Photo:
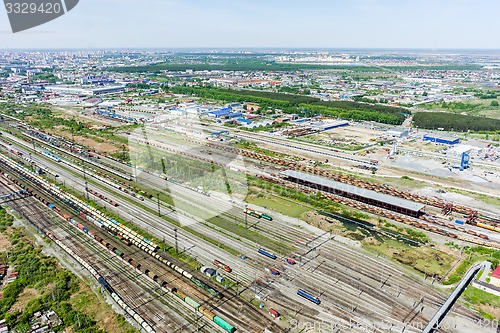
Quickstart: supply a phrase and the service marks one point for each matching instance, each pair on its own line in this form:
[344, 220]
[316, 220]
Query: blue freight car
[52, 156]
[105, 285]
[267, 254]
[306, 295]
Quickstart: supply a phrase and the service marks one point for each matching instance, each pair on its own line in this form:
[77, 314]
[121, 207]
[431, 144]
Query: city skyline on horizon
[320, 24]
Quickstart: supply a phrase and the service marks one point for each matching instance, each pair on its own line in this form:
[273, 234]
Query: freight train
[91, 214]
[164, 285]
[343, 178]
[206, 312]
[143, 323]
[58, 143]
[257, 214]
[100, 196]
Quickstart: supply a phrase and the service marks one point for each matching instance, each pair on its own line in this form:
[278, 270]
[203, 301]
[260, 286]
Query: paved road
[486, 271]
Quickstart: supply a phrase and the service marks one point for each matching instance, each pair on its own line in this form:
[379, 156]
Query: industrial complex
[264, 191]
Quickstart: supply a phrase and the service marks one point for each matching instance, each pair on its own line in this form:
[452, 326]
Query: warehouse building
[447, 140]
[458, 150]
[325, 126]
[495, 277]
[220, 113]
[396, 133]
[84, 90]
[357, 193]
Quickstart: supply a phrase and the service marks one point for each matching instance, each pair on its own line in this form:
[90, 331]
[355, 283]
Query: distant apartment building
[423, 80]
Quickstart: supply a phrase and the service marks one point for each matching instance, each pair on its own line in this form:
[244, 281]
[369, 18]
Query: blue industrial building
[441, 139]
[220, 113]
[243, 120]
[235, 114]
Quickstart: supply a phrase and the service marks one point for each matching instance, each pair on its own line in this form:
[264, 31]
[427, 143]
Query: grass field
[475, 107]
[249, 234]
[424, 259]
[484, 301]
[279, 205]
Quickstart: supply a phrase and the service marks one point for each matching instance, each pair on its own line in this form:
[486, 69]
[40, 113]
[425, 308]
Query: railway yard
[143, 229]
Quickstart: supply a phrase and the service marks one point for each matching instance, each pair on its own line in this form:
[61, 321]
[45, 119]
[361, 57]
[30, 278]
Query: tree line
[455, 122]
[233, 64]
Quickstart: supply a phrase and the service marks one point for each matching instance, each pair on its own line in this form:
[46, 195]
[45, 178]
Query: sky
[428, 24]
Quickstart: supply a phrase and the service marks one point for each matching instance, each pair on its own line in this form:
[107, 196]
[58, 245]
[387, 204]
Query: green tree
[494, 103]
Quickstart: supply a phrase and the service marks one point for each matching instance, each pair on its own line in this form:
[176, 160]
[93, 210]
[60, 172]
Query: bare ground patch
[96, 308]
[27, 295]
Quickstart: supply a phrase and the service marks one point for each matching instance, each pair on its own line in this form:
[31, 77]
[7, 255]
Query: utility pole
[176, 247]
[87, 190]
[246, 217]
[237, 284]
[158, 199]
[255, 282]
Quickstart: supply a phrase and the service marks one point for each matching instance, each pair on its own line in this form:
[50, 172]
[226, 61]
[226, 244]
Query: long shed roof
[403, 203]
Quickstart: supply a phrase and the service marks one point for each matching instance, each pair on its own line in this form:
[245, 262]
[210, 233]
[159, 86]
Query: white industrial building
[458, 150]
[397, 133]
[84, 90]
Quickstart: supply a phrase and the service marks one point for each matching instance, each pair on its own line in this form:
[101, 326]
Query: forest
[227, 62]
[455, 122]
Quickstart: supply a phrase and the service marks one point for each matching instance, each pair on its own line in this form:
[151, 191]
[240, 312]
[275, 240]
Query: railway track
[301, 167]
[250, 317]
[333, 306]
[128, 283]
